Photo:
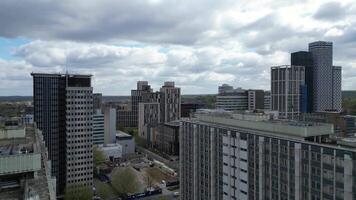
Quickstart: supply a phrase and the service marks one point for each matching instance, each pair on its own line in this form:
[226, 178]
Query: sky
[198, 44]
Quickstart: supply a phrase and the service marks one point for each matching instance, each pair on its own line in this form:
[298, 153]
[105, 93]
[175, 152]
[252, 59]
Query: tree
[120, 127]
[125, 182]
[98, 156]
[104, 190]
[78, 192]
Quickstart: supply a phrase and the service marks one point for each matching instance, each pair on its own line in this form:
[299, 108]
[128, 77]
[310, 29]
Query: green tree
[120, 127]
[125, 182]
[98, 156]
[104, 190]
[78, 192]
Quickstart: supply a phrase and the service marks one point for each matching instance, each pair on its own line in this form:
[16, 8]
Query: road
[157, 197]
[172, 164]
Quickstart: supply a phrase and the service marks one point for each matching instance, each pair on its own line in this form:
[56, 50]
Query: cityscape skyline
[230, 42]
[189, 100]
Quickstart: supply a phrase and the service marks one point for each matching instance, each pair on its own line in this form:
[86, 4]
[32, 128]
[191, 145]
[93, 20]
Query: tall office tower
[109, 125]
[225, 88]
[170, 101]
[255, 99]
[63, 109]
[222, 157]
[304, 58]
[267, 100]
[233, 100]
[327, 85]
[287, 90]
[97, 101]
[98, 127]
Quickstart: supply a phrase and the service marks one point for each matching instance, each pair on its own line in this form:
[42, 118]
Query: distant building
[255, 99]
[327, 78]
[111, 151]
[225, 88]
[267, 101]
[149, 117]
[233, 100]
[170, 102]
[109, 125]
[63, 110]
[305, 58]
[322, 79]
[25, 171]
[238, 99]
[98, 127]
[97, 101]
[190, 107]
[27, 119]
[167, 138]
[126, 141]
[128, 117]
[287, 90]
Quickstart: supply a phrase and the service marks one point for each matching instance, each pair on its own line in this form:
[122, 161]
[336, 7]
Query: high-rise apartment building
[327, 78]
[98, 127]
[143, 93]
[149, 118]
[170, 101]
[63, 109]
[222, 157]
[287, 90]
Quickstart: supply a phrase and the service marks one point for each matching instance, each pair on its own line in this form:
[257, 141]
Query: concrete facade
[226, 158]
[63, 110]
[327, 78]
[109, 125]
[286, 90]
[98, 128]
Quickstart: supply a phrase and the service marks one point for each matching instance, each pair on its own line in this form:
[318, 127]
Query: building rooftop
[60, 75]
[122, 135]
[24, 167]
[274, 127]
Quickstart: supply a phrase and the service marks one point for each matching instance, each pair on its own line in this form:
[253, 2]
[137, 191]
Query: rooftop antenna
[66, 66]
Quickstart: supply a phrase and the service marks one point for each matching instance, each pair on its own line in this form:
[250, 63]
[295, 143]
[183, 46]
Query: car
[176, 194]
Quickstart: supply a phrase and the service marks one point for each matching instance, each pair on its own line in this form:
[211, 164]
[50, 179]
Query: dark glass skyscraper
[304, 58]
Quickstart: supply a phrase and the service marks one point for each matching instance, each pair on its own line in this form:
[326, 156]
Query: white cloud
[199, 44]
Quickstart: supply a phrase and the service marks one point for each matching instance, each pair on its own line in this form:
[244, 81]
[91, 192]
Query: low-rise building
[126, 141]
[112, 151]
[25, 171]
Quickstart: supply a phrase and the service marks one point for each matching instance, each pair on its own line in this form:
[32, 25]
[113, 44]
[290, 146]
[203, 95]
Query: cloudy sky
[198, 44]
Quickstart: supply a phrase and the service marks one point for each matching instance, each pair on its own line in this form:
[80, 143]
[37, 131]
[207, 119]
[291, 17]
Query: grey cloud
[164, 22]
[331, 11]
